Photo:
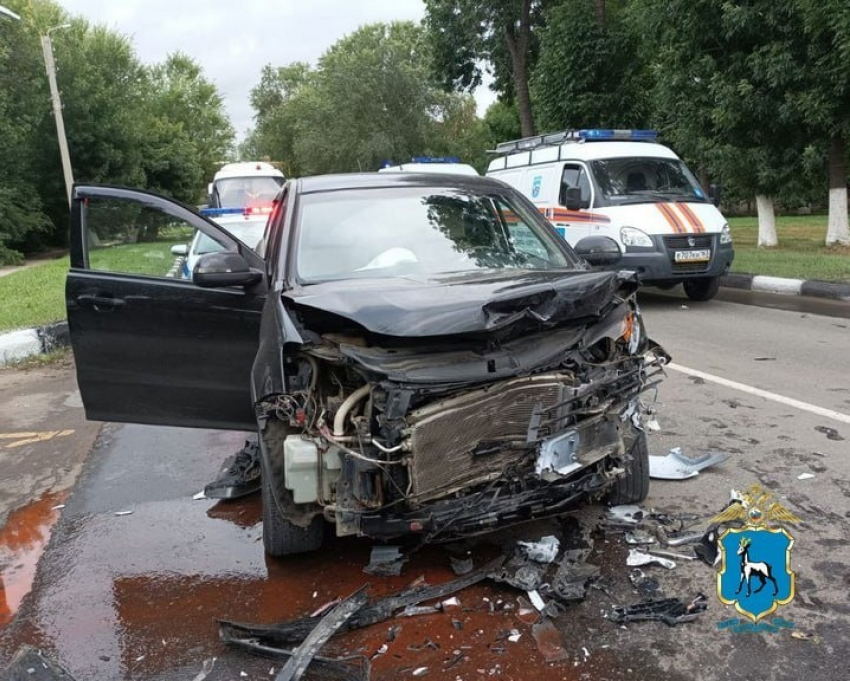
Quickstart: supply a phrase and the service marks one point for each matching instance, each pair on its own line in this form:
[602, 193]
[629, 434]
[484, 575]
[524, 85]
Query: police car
[246, 224]
[624, 185]
[430, 164]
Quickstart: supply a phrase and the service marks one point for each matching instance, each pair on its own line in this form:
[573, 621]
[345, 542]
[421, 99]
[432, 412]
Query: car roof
[328, 183]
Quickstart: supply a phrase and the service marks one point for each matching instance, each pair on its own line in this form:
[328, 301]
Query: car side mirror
[714, 194]
[215, 270]
[180, 249]
[572, 198]
[599, 251]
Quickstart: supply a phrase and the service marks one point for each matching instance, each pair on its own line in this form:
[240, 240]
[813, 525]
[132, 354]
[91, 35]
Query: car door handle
[100, 302]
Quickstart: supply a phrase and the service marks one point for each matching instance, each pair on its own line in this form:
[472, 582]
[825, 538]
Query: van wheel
[280, 536]
[634, 485]
[701, 289]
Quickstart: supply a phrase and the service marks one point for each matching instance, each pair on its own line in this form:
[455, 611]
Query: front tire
[701, 290]
[280, 536]
[633, 487]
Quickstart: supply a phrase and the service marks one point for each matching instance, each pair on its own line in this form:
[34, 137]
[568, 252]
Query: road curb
[812, 288]
[24, 343]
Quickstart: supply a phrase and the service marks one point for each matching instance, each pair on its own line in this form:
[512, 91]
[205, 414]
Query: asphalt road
[136, 596]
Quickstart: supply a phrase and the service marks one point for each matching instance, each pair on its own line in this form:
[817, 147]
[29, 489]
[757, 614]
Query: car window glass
[575, 176]
[240, 192]
[133, 238]
[522, 237]
[419, 233]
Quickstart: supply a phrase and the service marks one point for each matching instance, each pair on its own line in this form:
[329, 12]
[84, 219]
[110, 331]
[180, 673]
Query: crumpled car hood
[482, 302]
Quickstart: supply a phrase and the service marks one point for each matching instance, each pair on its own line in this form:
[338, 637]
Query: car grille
[460, 441]
[680, 243]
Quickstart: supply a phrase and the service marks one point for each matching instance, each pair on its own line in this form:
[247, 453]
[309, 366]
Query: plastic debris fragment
[549, 641]
[637, 557]
[677, 466]
[626, 513]
[537, 600]
[385, 561]
[545, 550]
[671, 611]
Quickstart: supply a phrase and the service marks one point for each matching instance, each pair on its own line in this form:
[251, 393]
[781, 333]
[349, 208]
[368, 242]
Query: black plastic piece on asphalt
[295, 631]
[240, 475]
[297, 664]
[671, 611]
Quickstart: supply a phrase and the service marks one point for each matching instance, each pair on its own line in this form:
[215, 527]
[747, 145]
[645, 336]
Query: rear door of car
[151, 347]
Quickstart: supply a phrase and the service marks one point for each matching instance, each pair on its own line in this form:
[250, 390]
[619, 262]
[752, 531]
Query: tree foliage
[589, 73]
[161, 127]
[502, 33]
[370, 98]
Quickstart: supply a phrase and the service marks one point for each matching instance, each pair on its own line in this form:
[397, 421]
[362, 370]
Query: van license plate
[692, 256]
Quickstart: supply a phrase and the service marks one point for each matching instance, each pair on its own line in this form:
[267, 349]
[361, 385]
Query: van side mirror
[599, 251]
[215, 270]
[714, 194]
[572, 198]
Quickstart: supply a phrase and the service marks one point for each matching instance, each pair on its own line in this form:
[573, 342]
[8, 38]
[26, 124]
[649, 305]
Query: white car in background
[246, 224]
[432, 164]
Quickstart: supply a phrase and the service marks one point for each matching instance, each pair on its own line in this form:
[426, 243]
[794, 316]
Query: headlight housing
[726, 234]
[632, 236]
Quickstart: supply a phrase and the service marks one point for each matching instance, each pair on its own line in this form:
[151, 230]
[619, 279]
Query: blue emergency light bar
[435, 159]
[218, 212]
[598, 134]
[585, 135]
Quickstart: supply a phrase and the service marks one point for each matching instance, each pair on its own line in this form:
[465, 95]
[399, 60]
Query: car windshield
[249, 232]
[240, 192]
[419, 233]
[632, 180]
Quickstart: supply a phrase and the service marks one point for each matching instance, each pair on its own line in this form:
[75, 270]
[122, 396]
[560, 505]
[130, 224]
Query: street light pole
[50, 65]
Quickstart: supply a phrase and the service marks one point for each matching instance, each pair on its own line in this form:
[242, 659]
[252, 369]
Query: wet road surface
[136, 596]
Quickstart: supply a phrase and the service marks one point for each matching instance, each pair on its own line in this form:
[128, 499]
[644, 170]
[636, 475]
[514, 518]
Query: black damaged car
[418, 353]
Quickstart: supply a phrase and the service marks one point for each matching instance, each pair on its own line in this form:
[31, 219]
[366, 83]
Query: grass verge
[801, 253]
[36, 295]
[33, 296]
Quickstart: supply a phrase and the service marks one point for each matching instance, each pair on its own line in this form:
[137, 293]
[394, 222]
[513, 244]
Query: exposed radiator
[455, 442]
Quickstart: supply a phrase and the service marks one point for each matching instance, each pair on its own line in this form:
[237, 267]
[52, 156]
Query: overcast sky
[234, 39]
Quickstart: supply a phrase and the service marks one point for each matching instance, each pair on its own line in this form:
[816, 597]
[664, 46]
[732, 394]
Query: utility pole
[50, 66]
[5, 11]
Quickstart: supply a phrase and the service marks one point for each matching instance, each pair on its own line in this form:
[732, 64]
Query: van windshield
[243, 192]
[638, 180]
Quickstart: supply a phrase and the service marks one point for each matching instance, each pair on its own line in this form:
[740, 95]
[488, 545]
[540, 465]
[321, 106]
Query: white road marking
[781, 399]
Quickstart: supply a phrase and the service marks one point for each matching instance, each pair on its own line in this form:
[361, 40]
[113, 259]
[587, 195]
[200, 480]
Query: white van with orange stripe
[624, 185]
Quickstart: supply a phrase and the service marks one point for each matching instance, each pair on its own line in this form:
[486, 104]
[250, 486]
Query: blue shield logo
[755, 574]
[536, 183]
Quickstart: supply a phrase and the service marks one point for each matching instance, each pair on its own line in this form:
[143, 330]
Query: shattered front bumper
[521, 493]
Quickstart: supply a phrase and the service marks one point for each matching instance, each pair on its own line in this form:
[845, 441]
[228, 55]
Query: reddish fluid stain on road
[22, 541]
[139, 596]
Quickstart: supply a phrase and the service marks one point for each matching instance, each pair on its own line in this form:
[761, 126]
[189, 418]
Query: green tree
[824, 100]
[369, 99]
[503, 33]
[276, 126]
[23, 92]
[191, 105]
[589, 73]
[723, 96]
